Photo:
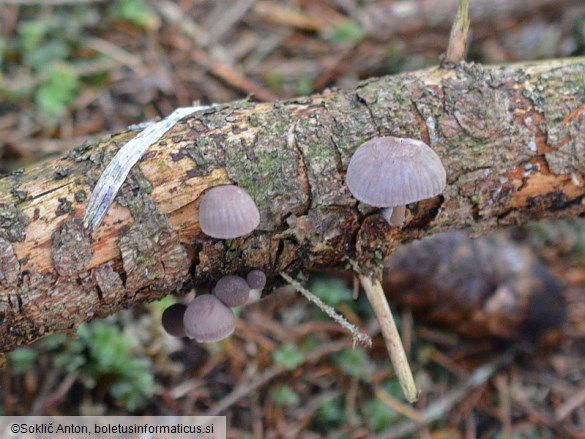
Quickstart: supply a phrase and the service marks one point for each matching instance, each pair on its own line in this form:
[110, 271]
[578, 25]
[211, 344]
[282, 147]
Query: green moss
[330, 415]
[288, 357]
[265, 166]
[58, 92]
[284, 396]
[347, 31]
[21, 360]
[138, 12]
[354, 362]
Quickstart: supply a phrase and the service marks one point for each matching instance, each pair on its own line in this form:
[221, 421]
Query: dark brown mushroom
[172, 320]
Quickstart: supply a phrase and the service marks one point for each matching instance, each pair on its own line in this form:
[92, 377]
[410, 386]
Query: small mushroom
[228, 212]
[390, 172]
[207, 319]
[257, 281]
[232, 290]
[172, 320]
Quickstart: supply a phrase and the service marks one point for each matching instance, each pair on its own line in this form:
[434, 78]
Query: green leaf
[275, 81]
[393, 388]
[32, 34]
[134, 11]
[284, 396]
[288, 357]
[159, 306]
[330, 289]
[45, 55]
[58, 92]
[354, 362]
[329, 415]
[109, 348]
[304, 84]
[21, 359]
[110, 353]
[54, 341]
[135, 385]
[347, 32]
[379, 416]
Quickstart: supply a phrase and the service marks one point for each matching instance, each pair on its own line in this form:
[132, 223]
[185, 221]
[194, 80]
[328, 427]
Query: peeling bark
[512, 139]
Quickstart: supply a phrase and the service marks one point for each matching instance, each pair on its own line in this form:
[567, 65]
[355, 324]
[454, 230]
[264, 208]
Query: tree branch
[511, 138]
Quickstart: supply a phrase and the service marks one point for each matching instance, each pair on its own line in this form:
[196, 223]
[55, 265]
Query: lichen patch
[12, 223]
[109, 283]
[9, 266]
[152, 255]
[71, 248]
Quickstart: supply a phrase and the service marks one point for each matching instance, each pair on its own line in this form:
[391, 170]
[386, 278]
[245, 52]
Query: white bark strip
[117, 170]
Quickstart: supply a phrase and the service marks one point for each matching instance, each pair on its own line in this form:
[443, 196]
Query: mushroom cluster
[391, 172]
[208, 318]
[225, 212]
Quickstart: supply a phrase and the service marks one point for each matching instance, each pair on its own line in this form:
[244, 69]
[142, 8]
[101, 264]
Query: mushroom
[172, 320]
[232, 290]
[390, 172]
[208, 319]
[257, 281]
[228, 212]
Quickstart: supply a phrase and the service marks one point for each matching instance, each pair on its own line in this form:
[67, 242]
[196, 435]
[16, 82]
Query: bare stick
[382, 311]
[458, 37]
[358, 337]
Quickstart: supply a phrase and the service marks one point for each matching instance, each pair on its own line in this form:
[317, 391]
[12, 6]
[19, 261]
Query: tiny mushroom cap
[232, 290]
[256, 279]
[228, 212]
[207, 319]
[172, 320]
[391, 172]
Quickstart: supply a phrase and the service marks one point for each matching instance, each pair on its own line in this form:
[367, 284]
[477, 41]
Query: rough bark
[511, 138]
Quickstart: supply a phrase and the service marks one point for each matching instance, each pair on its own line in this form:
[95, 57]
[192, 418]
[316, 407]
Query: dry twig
[458, 38]
[375, 293]
[358, 336]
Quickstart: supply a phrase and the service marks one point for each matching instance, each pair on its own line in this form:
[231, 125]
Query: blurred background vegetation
[75, 71]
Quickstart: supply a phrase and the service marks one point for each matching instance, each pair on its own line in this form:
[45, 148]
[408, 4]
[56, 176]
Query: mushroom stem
[377, 299]
[387, 214]
[255, 296]
[395, 216]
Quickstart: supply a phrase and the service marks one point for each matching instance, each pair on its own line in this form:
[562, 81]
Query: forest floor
[70, 73]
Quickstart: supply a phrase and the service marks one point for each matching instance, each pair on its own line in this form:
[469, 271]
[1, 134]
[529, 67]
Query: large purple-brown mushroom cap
[232, 290]
[207, 319]
[391, 171]
[228, 212]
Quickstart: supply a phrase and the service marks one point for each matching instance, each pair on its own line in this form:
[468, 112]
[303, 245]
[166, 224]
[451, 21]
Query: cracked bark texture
[512, 139]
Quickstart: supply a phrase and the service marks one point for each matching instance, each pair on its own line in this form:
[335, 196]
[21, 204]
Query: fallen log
[512, 139]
